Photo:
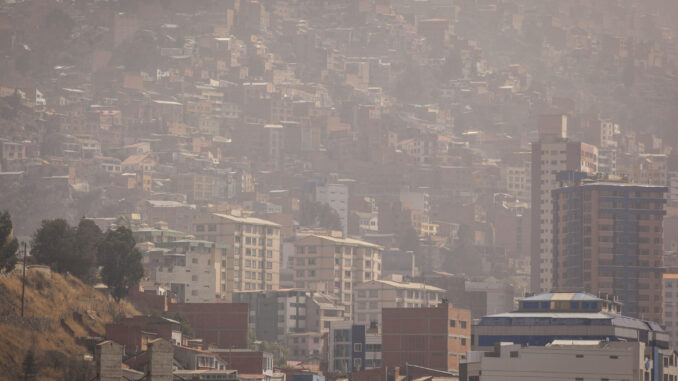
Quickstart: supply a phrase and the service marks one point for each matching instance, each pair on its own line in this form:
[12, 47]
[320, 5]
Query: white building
[564, 360]
[336, 196]
[195, 271]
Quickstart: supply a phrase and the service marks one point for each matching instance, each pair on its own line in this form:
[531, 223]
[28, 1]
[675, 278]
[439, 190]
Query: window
[453, 323]
[579, 356]
[269, 253]
[514, 354]
[357, 347]
[194, 260]
[211, 227]
[462, 323]
[269, 265]
[194, 278]
[200, 228]
[311, 250]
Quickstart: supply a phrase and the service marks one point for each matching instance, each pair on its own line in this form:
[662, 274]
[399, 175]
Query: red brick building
[221, 324]
[136, 332]
[434, 337]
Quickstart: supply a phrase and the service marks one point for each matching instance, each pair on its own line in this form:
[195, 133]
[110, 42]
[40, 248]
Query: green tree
[87, 238]
[53, 244]
[279, 351]
[121, 261]
[29, 366]
[186, 327]
[319, 215]
[67, 249]
[8, 244]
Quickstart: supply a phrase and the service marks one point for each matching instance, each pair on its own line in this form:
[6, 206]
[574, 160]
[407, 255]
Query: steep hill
[61, 313]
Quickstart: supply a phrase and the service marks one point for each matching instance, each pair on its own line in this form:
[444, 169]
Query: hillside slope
[60, 313]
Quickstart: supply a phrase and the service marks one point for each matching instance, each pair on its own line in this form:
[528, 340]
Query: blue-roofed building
[543, 318]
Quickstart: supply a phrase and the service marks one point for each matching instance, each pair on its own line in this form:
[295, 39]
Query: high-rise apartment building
[551, 154]
[334, 265]
[255, 257]
[608, 240]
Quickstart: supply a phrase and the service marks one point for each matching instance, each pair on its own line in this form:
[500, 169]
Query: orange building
[433, 337]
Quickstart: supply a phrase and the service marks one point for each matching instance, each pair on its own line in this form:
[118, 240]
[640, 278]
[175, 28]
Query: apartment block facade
[609, 240]
[255, 257]
[352, 347]
[195, 271]
[551, 154]
[335, 265]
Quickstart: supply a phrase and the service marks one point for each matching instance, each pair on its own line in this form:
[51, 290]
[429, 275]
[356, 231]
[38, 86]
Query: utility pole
[23, 281]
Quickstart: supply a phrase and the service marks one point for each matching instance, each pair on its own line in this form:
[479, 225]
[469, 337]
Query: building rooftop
[562, 296]
[168, 204]
[403, 285]
[346, 241]
[247, 220]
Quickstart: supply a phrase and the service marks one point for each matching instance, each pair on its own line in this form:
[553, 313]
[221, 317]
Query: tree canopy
[320, 215]
[65, 248]
[120, 261]
[8, 244]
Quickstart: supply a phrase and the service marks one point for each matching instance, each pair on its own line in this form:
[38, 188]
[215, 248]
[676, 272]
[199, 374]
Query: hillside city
[293, 190]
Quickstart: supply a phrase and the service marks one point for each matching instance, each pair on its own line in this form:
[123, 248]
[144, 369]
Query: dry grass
[54, 297]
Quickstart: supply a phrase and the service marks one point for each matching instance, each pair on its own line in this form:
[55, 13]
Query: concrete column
[108, 357]
[160, 360]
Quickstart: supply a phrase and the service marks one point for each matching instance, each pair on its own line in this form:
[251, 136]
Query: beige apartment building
[371, 296]
[335, 265]
[255, 258]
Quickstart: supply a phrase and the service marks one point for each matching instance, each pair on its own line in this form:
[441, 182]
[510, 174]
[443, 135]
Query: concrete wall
[108, 357]
[615, 361]
[160, 360]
